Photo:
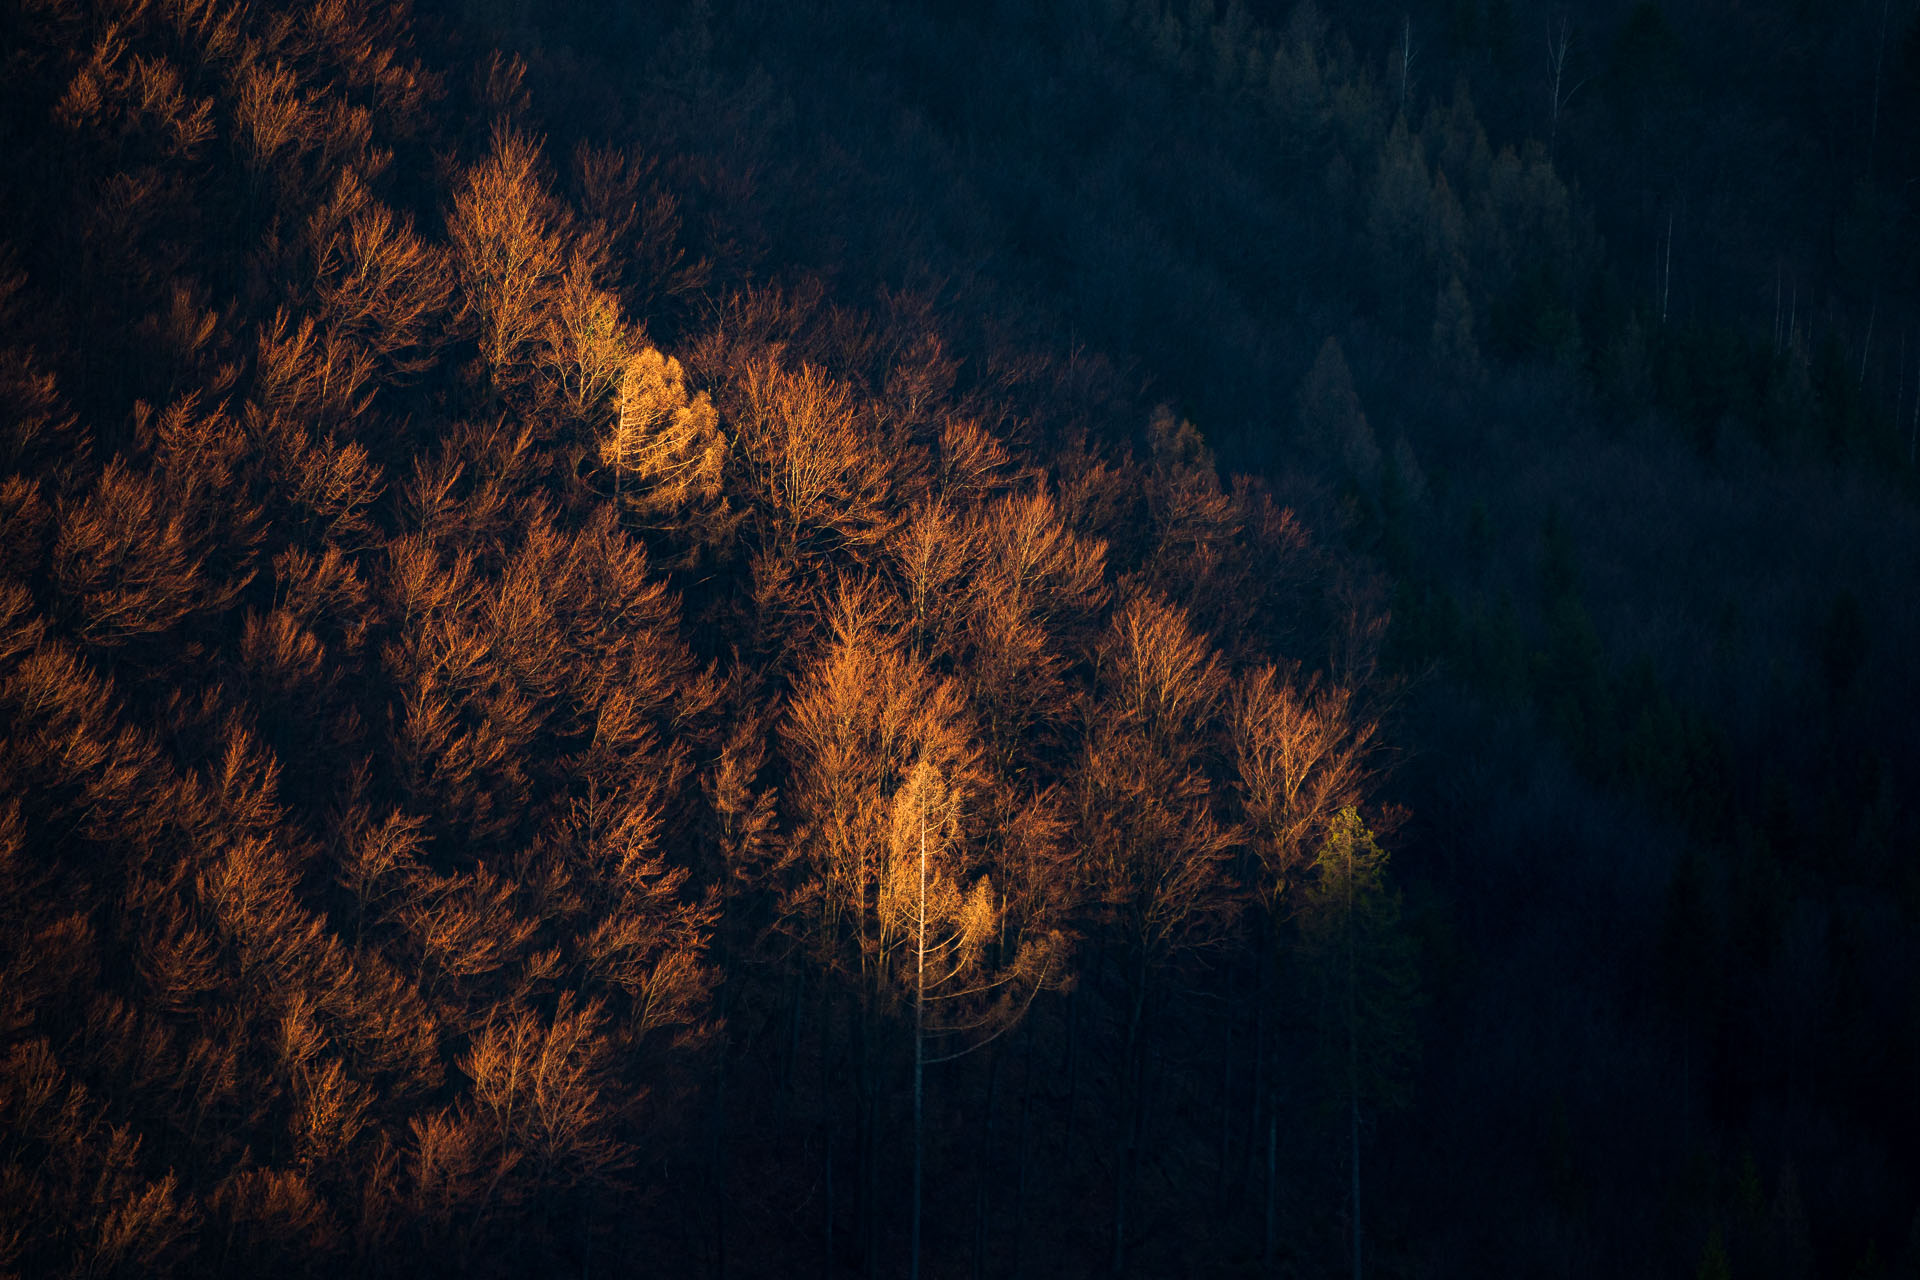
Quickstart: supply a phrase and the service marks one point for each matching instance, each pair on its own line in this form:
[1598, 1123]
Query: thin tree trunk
[1776, 309]
[1686, 1091]
[717, 1163]
[1132, 1101]
[1354, 1116]
[869, 1135]
[1879, 60]
[1073, 1065]
[1913, 427]
[826, 1113]
[919, 1047]
[1226, 1093]
[1267, 1098]
[717, 1126]
[1354, 1135]
[1020, 1155]
[1666, 272]
[1900, 389]
[1257, 1100]
[1269, 1238]
[1866, 345]
[793, 1035]
[982, 1202]
[1558, 47]
[1353, 1050]
[1406, 59]
[1123, 1179]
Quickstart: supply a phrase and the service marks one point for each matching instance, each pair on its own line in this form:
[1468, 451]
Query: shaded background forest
[551, 555]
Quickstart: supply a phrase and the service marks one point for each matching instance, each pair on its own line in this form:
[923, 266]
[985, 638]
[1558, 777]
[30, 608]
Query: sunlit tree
[1361, 964]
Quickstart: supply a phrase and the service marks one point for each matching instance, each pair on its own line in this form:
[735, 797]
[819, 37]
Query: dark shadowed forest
[960, 638]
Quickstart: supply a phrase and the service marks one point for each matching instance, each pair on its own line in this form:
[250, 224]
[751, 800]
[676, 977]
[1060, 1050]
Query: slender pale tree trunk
[619, 452]
[717, 1159]
[1406, 59]
[1776, 309]
[1073, 1067]
[1021, 1156]
[1866, 345]
[1353, 1113]
[919, 1045]
[983, 1200]
[1133, 1104]
[1913, 421]
[1264, 1103]
[1879, 60]
[1666, 272]
[1257, 1098]
[1226, 1093]
[717, 1188]
[826, 1118]
[1559, 44]
[870, 1150]
[793, 1035]
[1353, 1065]
[1900, 390]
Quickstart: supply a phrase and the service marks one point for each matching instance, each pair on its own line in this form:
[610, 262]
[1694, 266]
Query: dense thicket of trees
[621, 651]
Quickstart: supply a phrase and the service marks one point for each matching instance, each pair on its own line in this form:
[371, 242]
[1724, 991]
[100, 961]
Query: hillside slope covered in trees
[621, 651]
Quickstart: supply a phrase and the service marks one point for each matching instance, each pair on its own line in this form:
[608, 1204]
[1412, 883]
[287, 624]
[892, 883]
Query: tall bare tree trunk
[1666, 272]
[919, 1047]
[1559, 44]
[1226, 1092]
[1021, 1156]
[826, 1117]
[869, 1131]
[1270, 1239]
[1266, 1098]
[1406, 59]
[793, 1036]
[717, 1169]
[983, 1201]
[1913, 422]
[1866, 344]
[1353, 1062]
[1133, 1104]
[1879, 61]
[1073, 1067]
[1900, 390]
[1776, 309]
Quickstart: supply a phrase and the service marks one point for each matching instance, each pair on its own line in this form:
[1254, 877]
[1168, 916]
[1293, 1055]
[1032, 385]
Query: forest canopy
[1112, 638]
